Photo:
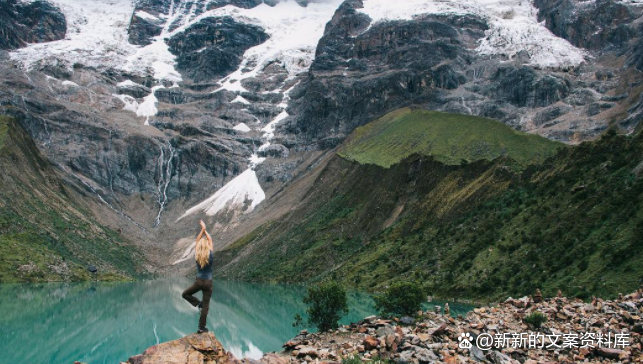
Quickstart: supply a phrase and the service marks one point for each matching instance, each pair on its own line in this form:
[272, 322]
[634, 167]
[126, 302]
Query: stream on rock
[98, 322]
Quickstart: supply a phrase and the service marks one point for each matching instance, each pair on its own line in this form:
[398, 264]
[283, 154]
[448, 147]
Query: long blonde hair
[202, 254]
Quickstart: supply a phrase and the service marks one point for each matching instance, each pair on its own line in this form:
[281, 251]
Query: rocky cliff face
[29, 22]
[213, 47]
[48, 230]
[365, 67]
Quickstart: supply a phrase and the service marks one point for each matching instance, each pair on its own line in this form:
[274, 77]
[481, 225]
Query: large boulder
[193, 349]
[197, 349]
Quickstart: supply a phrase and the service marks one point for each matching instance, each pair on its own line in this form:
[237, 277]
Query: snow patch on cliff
[294, 32]
[242, 127]
[513, 24]
[96, 36]
[243, 191]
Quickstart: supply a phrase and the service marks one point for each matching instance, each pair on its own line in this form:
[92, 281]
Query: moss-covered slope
[449, 138]
[476, 230]
[45, 234]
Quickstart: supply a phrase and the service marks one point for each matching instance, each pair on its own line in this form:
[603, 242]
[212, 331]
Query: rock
[425, 356]
[611, 353]
[638, 328]
[384, 331]
[476, 354]
[407, 320]
[370, 319]
[500, 358]
[370, 343]
[390, 341]
[538, 297]
[291, 344]
[440, 330]
[272, 358]
[308, 351]
[195, 348]
[406, 356]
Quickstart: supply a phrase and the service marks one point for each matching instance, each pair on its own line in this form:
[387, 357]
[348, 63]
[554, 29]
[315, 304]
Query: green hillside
[449, 138]
[477, 230]
[45, 233]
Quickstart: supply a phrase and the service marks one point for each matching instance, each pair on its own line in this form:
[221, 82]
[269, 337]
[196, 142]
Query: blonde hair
[202, 252]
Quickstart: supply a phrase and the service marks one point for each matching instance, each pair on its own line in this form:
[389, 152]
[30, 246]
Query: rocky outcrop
[594, 25]
[213, 47]
[358, 76]
[151, 16]
[196, 349]
[146, 22]
[524, 87]
[437, 337]
[29, 22]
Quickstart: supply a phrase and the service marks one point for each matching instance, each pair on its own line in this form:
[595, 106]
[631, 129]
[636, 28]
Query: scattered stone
[433, 338]
[407, 320]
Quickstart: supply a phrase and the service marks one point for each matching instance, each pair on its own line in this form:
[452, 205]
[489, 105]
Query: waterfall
[165, 177]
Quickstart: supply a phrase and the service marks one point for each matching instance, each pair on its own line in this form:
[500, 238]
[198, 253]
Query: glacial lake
[95, 322]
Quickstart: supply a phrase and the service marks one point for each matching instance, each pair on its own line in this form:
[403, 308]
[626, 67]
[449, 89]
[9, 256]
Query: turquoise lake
[98, 322]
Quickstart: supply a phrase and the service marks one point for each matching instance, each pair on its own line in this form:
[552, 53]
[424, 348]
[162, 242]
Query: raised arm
[203, 232]
[209, 239]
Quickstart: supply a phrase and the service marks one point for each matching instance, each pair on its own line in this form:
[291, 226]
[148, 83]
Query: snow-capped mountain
[173, 110]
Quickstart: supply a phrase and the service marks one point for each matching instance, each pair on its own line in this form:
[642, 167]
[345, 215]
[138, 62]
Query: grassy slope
[479, 230]
[450, 138]
[42, 229]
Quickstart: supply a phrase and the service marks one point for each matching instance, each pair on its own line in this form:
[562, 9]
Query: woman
[204, 262]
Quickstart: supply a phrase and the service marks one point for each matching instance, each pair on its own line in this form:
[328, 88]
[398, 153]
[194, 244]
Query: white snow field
[513, 24]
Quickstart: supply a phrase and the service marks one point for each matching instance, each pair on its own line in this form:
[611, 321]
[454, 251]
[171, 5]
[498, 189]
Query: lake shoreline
[435, 337]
